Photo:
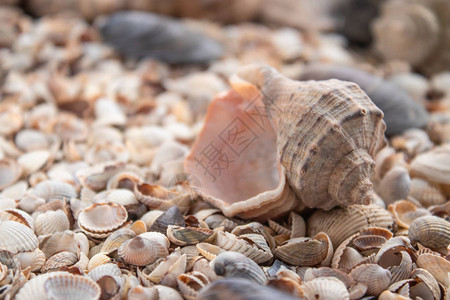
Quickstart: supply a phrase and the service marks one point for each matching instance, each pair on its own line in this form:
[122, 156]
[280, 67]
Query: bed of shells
[100, 197]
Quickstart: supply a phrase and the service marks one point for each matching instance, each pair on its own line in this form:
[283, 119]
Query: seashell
[33, 259]
[29, 140]
[209, 251]
[279, 229]
[183, 236]
[157, 197]
[68, 286]
[298, 225]
[156, 237]
[191, 283]
[122, 197]
[123, 180]
[58, 260]
[234, 288]
[432, 232]
[108, 269]
[412, 142]
[108, 113]
[313, 273]
[51, 222]
[149, 217]
[33, 161]
[341, 223]
[405, 212]
[401, 112]
[98, 260]
[438, 127]
[419, 24]
[373, 276]
[305, 252]
[243, 245]
[175, 37]
[167, 270]
[172, 216]
[102, 218]
[271, 197]
[340, 188]
[324, 288]
[29, 203]
[237, 265]
[426, 193]
[109, 287]
[54, 190]
[432, 165]
[97, 176]
[140, 251]
[255, 228]
[16, 237]
[439, 267]
[394, 185]
[34, 289]
[400, 270]
[10, 172]
[17, 215]
[68, 127]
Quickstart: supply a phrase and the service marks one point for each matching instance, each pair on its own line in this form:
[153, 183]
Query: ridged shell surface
[16, 237]
[71, 287]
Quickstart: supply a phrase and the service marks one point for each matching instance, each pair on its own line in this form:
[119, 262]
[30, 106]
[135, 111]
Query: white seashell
[98, 260]
[58, 242]
[157, 237]
[34, 289]
[51, 222]
[324, 288]
[122, 197]
[83, 242]
[16, 237]
[108, 269]
[33, 259]
[29, 140]
[33, 161]
[375, 277]
[17, 215]
[54, 190]
[108, 112]
[10, 172]
[68, 286]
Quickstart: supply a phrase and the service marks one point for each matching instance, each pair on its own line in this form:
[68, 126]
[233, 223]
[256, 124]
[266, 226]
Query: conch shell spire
[327, 133]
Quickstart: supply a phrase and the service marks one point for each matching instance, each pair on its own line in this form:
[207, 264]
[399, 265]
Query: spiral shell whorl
[328, 132]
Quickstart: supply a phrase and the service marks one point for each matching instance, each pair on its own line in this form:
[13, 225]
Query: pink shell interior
[235, 155]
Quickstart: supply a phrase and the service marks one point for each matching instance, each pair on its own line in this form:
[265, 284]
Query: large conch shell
[326, 135]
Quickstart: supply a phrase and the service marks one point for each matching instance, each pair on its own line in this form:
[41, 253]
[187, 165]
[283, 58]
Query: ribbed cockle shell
[327, 134]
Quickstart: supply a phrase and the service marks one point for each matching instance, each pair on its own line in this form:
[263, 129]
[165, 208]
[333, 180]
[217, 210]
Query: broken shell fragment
[237, 265]
[375, 277]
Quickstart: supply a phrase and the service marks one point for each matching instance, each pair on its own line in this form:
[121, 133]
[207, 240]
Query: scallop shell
[341, 223]
[98, 260]
[33, 161]
[122, 197]
[432, 165]
[54, 190]
[68, 286]
[305, 252]
[16, 215]
[10, 172]
[237, 265]
[439, 267]
[61, 241]
[430, 231]
[426, 193]
[325, 288]
[303, 103]
[230, 242]
[102, 218]
[117, 238]
[16, 237]
[312, 273]
[34, 289]
[140, 251]
[395, 185]
[183, 236]
[123, 180]
[52, 222]
[191, 283]
[271, 196]
[373, 276]
[34, 259]
[58, 260]
[157, 238]
[209, 251]
[107, 269]
[405, 212]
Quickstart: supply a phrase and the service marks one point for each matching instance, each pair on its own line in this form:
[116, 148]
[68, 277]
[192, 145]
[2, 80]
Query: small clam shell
[324, 288]
[432, 232]
[68, 286]
[438, 266]
[110, 288]
[124, 180]
[97, 176]
[345, 257]
[149, 217]
[432, 165]
[102, 218]
[108, 112]
[140, 251]
[98, 260]
[122, 197]
[58, 260]
[34, 259]
[341, 223]
[54, 190]
[156, 237]
[172, 216]
[33, 161]
[52, 222]
[61, 241]
[426, 193]
[395, 185]
[237, 265]
[304, 252]
[399, 264]
[230, 242]
[10, 172]
[29, 139]
[191, 283]
[312, 273]
[183, 236]
[16, 237]
[209, 251]
[117, 238]
[16, 215]
[375, 277]
[34, 289]
[107, 269]
[405, 212]
[167, 270]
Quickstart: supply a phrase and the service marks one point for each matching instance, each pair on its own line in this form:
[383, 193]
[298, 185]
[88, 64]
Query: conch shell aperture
[325, 132]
